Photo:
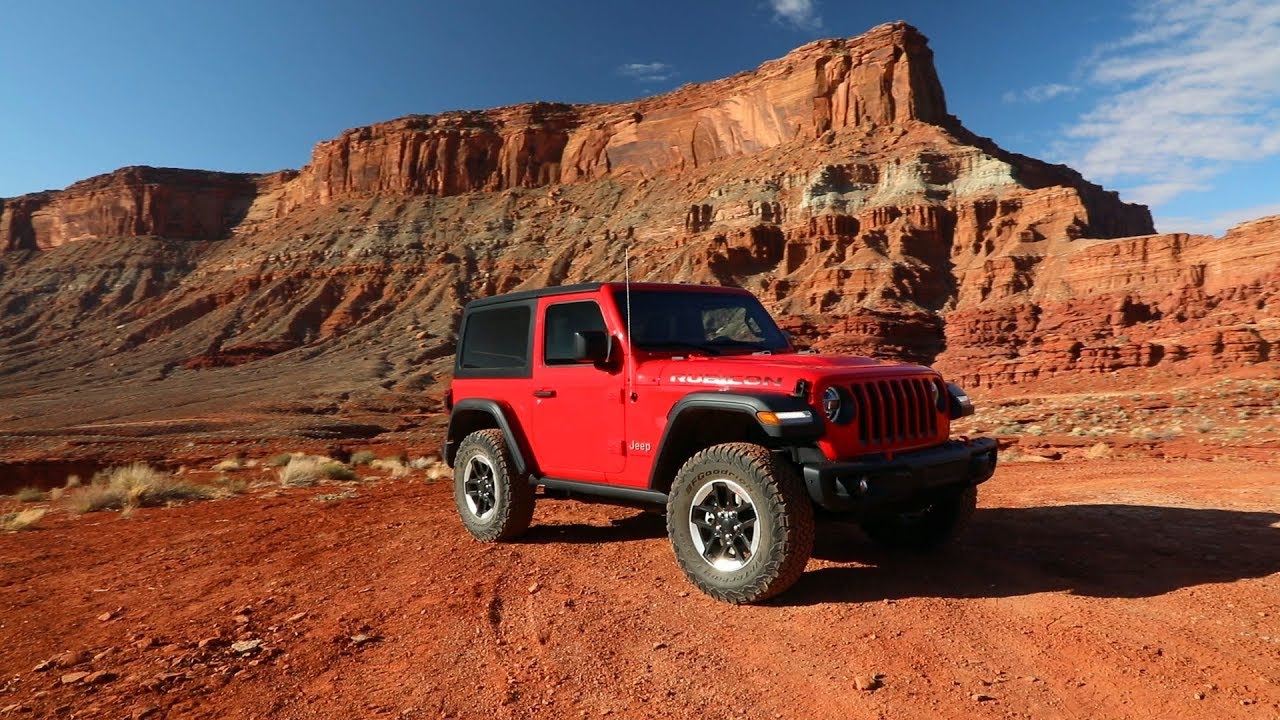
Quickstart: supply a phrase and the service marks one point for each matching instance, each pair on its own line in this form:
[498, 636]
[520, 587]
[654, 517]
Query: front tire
[494, 503]
[740, 523]
[926, 527]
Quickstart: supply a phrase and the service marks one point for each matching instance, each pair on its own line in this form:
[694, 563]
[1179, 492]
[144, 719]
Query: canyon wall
[831, 182]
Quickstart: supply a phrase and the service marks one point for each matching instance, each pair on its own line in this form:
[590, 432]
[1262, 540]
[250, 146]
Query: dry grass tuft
[363, 457]
[300, 471]
[21, 520]
[228, 486]
[1098, 451]
[131, 486]
[306, 471]
[30, 495]
[335, 497]
[280, 460]
[393, 465]
[229, 465]
[73, 481]
[337, 471]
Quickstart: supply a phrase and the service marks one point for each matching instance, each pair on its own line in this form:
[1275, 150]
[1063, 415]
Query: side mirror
[593, 345]
[961, 405]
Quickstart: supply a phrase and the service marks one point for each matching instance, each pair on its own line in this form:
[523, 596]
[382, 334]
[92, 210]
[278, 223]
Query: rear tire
[494, 503]
[740, 523]
[927, 526]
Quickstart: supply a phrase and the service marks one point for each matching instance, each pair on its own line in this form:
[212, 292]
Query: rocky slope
[832, 182]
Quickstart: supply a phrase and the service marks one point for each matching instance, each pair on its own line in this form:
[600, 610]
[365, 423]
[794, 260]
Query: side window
[562, 321]
[497, 339]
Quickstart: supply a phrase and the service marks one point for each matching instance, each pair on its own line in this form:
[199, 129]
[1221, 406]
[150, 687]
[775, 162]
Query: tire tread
[792, 539]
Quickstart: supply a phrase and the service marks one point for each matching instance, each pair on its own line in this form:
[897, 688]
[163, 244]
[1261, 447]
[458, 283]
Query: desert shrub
[30, 494]
[280, 460]
[231, 486]
[73, 481]
[1156, 435]
[229, 465]
[1204, 426]
[1098, 451]
[393, 465]
[363, 457]
[301, 472]
[135, 485]
[422, 463]
[93, 498]
[335, 497]
[21, 520]
[337, 471]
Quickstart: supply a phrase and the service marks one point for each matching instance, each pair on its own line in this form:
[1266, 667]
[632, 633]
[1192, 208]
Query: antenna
[626, 283]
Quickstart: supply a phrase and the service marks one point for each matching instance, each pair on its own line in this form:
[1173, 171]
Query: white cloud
[1218, 224]
[803, 14]
[1192, 91]
[650, 72]
[1040, 93]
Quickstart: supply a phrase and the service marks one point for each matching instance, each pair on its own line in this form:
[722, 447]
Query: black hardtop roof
[520, 295]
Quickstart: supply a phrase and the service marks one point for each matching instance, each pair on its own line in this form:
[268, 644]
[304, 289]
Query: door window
[562, 321]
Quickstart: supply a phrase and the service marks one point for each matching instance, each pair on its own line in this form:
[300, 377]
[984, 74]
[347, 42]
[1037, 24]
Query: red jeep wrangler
[691, 397]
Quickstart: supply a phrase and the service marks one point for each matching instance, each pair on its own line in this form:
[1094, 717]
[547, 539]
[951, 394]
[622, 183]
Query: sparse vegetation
[231, 486]
[229, 465]
[337, 471]
[1099, 451]
[393, 465]
[300, 471]
[21, 520]
[30, 495]
[131, 486]
[363, 457]
[304, 471]
[280, 460]
[335, 497]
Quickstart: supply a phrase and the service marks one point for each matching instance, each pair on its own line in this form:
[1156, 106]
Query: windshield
[709, 322]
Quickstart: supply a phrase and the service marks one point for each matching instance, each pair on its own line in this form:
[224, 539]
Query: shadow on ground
[1124, 551]
[644, 525]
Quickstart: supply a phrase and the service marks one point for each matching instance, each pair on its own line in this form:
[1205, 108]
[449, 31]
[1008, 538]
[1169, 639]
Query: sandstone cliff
[832, 182]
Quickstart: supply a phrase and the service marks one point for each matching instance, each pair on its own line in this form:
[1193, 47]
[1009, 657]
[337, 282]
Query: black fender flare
[474, 414]
[689, 407]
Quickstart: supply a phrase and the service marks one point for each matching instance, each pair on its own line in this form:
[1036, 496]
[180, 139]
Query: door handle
[544, 393]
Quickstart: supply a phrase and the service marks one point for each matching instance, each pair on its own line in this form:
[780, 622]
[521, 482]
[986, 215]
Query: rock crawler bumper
[877, 480]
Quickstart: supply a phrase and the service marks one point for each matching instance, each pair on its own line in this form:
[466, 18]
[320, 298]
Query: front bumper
[877, 480]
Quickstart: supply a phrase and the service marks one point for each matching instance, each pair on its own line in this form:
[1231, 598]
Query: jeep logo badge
[752, 380]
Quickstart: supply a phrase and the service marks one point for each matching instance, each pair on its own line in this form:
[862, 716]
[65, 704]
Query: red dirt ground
[1116, 589]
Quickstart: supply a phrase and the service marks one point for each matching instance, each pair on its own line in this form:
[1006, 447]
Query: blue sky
[1176, 103]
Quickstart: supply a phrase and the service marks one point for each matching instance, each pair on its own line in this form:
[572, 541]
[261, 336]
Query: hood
[767, 371]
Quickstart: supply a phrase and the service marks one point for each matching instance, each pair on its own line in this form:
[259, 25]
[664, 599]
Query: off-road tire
[784, 522]
[928, 526]
[512, 508]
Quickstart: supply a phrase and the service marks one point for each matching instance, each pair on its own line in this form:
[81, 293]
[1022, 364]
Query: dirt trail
[1108, 589]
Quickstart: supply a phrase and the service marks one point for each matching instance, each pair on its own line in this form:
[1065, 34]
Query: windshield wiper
[663, 344]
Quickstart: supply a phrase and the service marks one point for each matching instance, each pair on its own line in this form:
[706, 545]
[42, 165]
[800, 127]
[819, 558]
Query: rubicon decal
[750, 380]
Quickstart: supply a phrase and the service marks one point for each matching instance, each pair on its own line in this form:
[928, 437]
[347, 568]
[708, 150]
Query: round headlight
[831, 402]
[936, 393]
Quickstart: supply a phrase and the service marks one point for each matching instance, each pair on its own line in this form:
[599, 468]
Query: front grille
[895, 411]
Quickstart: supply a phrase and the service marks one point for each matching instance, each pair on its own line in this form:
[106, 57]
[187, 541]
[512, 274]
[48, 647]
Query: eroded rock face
[130, 202]
[831, 182]
[1182, 304]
